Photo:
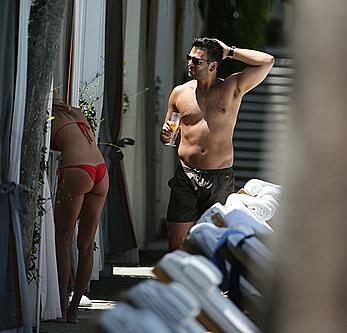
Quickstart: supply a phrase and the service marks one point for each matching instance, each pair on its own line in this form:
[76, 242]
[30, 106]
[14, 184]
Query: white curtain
[45, 292]
[15, 148]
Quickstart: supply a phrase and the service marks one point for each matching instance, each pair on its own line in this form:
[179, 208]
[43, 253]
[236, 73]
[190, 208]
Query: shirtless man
[208, 106]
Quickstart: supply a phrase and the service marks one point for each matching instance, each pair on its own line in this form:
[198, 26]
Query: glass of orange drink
[174, 123]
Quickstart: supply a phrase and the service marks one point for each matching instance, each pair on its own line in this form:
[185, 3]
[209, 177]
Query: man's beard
[192, 74]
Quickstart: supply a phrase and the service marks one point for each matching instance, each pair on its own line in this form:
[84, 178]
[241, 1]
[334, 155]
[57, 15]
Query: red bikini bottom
[96, 172]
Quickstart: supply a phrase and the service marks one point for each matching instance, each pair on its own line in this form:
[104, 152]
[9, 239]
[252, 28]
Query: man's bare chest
[210, 108]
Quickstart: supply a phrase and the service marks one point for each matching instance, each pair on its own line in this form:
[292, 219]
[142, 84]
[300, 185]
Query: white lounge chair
[202, 278]
[172, 303]
[127, 319]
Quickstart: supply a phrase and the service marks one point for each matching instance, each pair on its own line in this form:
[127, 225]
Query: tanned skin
[209, 107]
[77, 197]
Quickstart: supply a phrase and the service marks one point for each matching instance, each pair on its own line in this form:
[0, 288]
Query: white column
[133, 119]
[310, 289]
[164, 70]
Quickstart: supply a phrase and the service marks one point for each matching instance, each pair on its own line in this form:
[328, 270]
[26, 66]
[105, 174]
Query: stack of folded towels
[224, 229]
[152, 306]
[254, 205]
[125, 318]
[202, 278]
[188, 297]
[187, 300]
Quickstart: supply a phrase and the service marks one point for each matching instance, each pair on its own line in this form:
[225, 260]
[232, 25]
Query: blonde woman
[82, 188]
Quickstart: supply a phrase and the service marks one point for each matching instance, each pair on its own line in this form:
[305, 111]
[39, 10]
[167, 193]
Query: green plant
[88, 108]
[126, 102]
[88, 100]
[32, 272]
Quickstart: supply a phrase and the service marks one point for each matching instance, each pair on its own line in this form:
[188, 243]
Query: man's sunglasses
[196, 61]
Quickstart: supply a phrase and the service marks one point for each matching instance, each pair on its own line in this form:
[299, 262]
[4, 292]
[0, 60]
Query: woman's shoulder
[77, 113]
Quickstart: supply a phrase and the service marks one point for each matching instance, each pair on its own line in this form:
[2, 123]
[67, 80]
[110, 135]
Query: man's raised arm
[260, 64]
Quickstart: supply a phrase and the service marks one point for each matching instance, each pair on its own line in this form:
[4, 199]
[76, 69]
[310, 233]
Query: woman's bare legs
[89, 220]
[68, 204]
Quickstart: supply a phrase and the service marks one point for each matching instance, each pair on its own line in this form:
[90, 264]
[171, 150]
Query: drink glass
[174, 123]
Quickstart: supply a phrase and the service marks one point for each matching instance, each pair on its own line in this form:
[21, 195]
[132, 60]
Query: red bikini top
[83, 127]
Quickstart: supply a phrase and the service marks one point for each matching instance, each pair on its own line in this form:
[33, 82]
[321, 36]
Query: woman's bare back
[72, 135]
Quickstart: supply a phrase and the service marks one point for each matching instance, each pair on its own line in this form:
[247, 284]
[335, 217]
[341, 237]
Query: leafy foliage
[88, 108]
[126, 102]
[32, 272]
[87, 102]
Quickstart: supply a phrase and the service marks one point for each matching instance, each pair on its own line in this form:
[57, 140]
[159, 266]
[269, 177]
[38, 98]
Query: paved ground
[86, 319]
[104, 294]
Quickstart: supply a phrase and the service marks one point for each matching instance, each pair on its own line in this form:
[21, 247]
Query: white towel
[172, 303]
[206, 237]
[258, 187]
[196, 269]
[215, 215]
[275, 192]
[127, 319]
[241, 215]
[235, 213]
[202, 278]
[262, 208]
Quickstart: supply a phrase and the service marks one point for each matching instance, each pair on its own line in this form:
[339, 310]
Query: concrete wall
[168, 44]
[133, 119]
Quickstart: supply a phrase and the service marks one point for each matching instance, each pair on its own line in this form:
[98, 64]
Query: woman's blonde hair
[59, 107]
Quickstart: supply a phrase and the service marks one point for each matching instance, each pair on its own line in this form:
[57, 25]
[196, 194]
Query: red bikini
[85, 128]
[96, 172]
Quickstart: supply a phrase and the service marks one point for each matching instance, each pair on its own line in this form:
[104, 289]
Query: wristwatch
[231, 51]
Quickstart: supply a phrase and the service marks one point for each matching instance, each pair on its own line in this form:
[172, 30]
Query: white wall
[166, 56]
[164, 69]
[88, 55]
[91, 37]
[133, 119]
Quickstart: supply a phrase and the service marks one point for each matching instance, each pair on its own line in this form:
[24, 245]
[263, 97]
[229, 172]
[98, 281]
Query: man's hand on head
[225, 47]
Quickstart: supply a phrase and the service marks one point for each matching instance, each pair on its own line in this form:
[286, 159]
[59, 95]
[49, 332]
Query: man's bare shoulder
[185, 86]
